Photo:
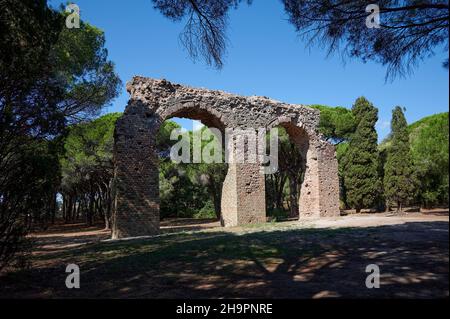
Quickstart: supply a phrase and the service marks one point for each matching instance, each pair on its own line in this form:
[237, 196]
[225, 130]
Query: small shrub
[207, 211]
[278, 215]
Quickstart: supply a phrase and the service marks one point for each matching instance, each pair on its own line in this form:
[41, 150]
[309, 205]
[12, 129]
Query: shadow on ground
[176, 225]
[292, 263]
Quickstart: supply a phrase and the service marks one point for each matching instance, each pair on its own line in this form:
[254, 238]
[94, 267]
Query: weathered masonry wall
[136, 209]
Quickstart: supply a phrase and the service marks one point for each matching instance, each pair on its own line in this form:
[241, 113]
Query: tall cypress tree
[361, 178]
[398, 173]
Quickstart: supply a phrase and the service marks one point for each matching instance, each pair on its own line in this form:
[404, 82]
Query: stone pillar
[243, 193]
[309, 204]
[328, 181]
[319, 196]
[136, 175]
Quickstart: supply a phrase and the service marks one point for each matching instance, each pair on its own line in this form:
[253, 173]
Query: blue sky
[264, 57]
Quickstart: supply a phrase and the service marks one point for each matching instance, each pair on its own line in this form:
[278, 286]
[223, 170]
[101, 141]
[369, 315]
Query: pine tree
[361, 178]
[398, 172]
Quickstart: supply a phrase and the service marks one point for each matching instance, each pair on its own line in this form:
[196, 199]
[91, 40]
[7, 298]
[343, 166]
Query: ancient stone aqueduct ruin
[136, 207]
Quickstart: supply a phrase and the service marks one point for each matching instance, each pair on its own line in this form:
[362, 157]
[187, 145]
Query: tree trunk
[90, 210]
[78, 210]
[53, 208]
[108, 209]
[73, 211]
[293, 197]
[69, 209]
[214, 190]
[217, 208]
[64, 207]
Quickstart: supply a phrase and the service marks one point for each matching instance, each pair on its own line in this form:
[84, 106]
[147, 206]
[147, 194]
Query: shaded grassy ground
[261, 262]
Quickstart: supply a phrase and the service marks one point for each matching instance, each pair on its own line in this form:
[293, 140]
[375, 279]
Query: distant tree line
[427, 166]
[87, 171]
[188, 190]
[410, 167]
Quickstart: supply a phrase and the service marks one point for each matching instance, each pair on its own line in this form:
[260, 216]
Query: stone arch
[136, 205]
[137, 164]
[319, 193]
[304, 140]
[206, 115]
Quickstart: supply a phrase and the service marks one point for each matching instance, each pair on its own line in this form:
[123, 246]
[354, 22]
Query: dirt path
[308, 259]
[73, 235]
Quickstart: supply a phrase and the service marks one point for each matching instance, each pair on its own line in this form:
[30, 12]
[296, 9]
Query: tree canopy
[87, 169]
[189, 190]
[429, 142]
[361, 178]
[87, 76]
[50, 76]
[337, 124]
[409, 31]
[429, 139]
[399, 183]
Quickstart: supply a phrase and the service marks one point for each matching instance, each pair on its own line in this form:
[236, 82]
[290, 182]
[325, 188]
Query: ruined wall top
[167, 100]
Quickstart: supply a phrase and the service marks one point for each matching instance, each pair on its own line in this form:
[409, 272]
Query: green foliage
[84, 71]
[278, 214]
[49, 76]
[360, 163]
[36, 168]
[88, 151]
[341, 150]
[337, 124]
[87, 169]
[283, 187]
[399, 182]
[27, 98]
[206, 211]
[179, 196]
[163, 140]
[429, 139]
[188, 190]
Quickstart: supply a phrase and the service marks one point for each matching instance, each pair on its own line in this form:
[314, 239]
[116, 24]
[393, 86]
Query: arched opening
[136, 165]
[190, 191]
[286, 186]
[136, 175]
